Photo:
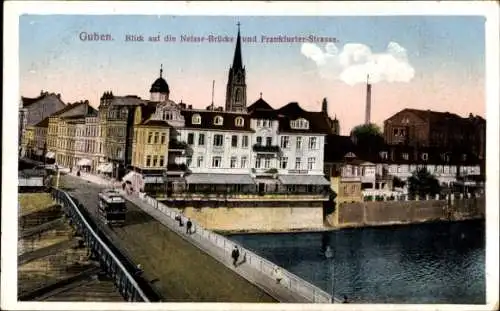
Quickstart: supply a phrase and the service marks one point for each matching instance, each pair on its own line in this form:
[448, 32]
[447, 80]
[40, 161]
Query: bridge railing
[125, 282]
[289, 280]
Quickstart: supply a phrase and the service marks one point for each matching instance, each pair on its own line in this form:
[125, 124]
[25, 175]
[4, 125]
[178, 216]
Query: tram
[112, 208]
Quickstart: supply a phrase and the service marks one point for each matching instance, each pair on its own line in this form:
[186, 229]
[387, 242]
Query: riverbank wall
[384, 213]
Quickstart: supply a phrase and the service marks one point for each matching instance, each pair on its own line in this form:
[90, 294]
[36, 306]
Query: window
[156, 137]
[218, 120]
[425, 156]
[190, 139]
[234, 141]
[395, 132]
[299, 124]
[216, 162]
[259, 122]
[218, 140]
[162, 161]
[155, 160]
[285, 142]
[269, 141]
[148, 160]
[267, 162]
[150, 137]
[383, 155]
[201, 139]
[265, 123]
[244, 162]
[313, 143]
[298, 143]
[310, 163]
[297, 163]
[162, 138]
[464, 157]
[257, 162]
[199, 161]
[244, 141]
[189, 160]
[233, 162]
[259, 140]
[283, 162]
[196, 119]
[405, 156]
[239, 121]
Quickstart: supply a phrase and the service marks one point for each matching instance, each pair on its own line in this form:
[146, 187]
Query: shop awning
[105, 168]
[220, 179]
[84, 162]
[50, 155]
[316, 180]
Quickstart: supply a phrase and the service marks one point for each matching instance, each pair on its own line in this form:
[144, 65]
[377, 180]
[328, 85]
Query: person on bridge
[189, 226]
[235, 254]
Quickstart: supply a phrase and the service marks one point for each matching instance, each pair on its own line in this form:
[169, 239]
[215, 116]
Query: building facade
[34, 110]
[426, 128]
[41, 140]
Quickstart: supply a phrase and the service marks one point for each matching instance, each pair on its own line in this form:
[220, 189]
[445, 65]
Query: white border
[10, 125]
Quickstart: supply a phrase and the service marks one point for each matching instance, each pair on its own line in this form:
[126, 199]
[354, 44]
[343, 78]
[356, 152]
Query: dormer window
[405, 156]
[425, 156]
[299, 124]
[445, 157]
[383, 155]
[239, 121]
[464, 157]
[196, 119]
[218, 120]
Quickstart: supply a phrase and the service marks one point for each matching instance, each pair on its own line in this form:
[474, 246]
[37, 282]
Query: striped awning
[220, 179]
[317, 180]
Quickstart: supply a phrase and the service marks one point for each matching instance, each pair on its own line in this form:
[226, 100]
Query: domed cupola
[159, 89]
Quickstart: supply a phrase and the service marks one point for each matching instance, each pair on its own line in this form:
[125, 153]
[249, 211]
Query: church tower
[159, 91]
[236, 92]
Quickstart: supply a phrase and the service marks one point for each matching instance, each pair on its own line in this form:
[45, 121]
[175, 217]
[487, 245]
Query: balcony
[266, 149]
[250, 197]
[175, 145]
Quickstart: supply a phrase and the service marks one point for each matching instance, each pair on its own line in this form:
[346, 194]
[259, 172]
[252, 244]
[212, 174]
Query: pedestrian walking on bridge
[189, 226]
[235, 254]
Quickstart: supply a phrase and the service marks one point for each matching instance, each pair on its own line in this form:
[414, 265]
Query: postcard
[260, 156]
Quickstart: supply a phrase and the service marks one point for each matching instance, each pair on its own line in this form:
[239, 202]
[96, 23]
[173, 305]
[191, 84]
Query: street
[178, 270]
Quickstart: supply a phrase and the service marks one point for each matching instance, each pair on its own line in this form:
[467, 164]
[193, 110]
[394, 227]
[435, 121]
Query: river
[420, 264]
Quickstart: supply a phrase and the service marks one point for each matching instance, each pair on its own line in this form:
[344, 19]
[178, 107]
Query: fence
[123, 279]
[289, 280]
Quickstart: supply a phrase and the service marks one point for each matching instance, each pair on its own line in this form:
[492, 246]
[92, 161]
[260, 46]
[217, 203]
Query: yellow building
[149, 151]
[28, 141]
[61, 133]
[347, 190]
[41, 139]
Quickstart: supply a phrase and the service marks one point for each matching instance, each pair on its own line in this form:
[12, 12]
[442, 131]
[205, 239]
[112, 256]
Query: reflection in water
[428, 263]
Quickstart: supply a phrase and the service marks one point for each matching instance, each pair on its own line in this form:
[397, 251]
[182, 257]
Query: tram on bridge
[112, 207]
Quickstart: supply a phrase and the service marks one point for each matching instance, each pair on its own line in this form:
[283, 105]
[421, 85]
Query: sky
[421, 62]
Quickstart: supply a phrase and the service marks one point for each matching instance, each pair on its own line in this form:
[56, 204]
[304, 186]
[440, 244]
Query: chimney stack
[324, 106]
[368, 101]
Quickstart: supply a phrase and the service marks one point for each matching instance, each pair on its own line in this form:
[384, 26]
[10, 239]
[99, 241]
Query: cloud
[355, 61]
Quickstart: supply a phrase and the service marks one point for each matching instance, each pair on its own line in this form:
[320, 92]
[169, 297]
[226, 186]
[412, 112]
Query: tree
[367, 135]
[423, 183]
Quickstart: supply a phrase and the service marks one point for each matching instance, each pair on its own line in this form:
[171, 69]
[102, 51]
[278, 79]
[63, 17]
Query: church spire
[161, 70]
[237, 60]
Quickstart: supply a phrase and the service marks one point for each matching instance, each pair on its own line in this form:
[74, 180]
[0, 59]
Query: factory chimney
[368, 101]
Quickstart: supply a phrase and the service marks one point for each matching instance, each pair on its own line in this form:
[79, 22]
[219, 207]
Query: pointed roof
[237, 60]
[260, 104]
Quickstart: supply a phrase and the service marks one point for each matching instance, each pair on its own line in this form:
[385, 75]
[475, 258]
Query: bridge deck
[179, 271]
[49, 267]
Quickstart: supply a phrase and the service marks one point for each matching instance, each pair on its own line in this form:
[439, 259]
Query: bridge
[177, 267]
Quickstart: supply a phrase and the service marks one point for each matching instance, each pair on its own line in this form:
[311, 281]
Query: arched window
[196, 119]
[239, 121]
[218, 120]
